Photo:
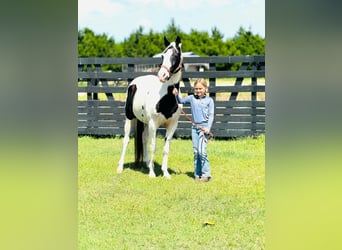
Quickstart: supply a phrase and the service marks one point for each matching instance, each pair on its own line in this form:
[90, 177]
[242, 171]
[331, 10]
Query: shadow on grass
[190, 174]
[141, 167]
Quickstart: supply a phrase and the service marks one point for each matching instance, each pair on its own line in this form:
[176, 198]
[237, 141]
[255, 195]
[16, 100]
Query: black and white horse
[151, 104]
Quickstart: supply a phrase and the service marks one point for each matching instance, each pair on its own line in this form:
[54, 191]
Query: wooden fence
[239, 95]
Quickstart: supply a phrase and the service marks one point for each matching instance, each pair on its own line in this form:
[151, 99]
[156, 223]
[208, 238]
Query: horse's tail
[138, 142]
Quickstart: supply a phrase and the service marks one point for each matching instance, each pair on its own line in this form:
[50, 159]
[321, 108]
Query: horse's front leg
[170, 130]
[152, 138]
[166, 157]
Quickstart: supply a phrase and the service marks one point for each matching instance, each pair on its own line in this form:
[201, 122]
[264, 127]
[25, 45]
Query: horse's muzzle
[163, 78]
[164, 74]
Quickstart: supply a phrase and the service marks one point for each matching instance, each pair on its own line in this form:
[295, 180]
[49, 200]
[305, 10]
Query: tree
[141, 44]
[245, 43]
[216, 35]
[172, 31]
[91, 45]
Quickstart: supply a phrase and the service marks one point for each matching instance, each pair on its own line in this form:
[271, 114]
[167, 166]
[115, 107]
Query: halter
[176, 70]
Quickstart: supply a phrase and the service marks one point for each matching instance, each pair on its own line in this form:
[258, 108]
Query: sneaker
[197, 178]
[204, 179]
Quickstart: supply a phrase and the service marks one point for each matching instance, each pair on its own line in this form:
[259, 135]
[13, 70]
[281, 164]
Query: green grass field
[132, 211]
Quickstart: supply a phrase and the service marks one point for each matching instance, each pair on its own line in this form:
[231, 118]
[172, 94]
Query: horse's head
[172, 59]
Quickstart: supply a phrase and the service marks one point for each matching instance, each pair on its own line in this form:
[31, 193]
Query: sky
[119, 18]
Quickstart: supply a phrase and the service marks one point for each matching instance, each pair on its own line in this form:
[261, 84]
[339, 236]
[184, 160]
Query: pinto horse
[150, 104]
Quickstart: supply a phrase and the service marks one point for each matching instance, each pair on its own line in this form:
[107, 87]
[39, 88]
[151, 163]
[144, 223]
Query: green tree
[199, 42]
[245, 43]
[141, 44]
[172, 31]
[91, 45]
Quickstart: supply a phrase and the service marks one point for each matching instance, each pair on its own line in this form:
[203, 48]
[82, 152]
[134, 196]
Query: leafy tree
[141, 44]
[199, 43]
[216, 35]
[91, 45]
[245, 43]
[172, 31]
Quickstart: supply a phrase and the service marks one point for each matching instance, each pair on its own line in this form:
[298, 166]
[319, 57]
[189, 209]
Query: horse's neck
[175, 78]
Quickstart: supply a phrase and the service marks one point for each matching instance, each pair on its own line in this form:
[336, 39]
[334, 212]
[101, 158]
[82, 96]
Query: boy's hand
[175, 91]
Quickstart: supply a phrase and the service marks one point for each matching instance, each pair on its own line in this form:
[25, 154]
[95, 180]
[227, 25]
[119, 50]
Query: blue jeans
[201, 162]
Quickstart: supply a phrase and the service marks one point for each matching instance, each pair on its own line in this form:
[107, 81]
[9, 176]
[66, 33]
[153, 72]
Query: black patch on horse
[129, 102]
[168, 105]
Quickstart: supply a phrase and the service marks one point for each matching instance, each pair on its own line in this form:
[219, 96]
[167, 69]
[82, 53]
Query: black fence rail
[239, 94]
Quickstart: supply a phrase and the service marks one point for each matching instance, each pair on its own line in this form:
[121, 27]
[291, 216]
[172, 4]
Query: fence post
[212, 81]
[130, 68]
[104, 83]
[254, 99]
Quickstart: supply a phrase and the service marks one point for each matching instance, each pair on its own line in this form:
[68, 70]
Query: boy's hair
[202, 82]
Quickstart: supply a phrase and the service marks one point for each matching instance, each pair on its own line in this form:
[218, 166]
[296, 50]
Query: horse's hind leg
[145, 142]
[124, 145]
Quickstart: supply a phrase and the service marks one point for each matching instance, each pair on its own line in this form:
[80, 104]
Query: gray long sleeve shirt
[202, 109]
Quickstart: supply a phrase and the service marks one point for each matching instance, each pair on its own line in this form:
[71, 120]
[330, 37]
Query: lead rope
[211, 135]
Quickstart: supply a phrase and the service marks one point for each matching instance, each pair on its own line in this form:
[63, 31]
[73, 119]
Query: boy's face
[199, 90]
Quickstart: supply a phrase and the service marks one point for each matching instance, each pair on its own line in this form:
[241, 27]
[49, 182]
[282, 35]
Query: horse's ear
[166, 42]
[178, 40]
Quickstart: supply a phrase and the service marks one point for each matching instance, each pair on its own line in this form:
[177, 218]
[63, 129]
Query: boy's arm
[179, 97]
[211, 113]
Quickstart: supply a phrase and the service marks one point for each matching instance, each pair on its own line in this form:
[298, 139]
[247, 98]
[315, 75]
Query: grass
[132, 211]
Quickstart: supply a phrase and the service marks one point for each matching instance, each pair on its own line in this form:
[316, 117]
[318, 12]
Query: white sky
[119, 18]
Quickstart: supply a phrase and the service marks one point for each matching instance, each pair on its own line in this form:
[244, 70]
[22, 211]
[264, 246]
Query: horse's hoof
[167, 177]
[152, 175]
[119, 170]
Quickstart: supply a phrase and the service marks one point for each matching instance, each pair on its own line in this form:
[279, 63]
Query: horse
[150, 104]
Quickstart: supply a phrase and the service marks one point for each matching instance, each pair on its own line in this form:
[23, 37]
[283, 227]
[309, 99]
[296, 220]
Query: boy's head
[200, 87]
